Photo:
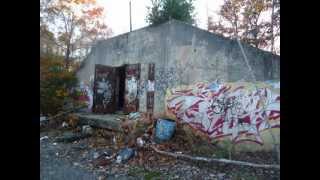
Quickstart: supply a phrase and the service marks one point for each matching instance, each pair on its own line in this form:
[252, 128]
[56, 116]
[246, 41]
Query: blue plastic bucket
[164, 130]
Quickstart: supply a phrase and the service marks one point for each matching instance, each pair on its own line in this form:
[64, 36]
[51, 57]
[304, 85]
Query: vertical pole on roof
[130, 15]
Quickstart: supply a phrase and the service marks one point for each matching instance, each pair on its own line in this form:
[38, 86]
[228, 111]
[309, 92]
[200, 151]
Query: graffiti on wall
[86, 94]
[104, 88]
[132, 89]
[236, 110]
[165, 78]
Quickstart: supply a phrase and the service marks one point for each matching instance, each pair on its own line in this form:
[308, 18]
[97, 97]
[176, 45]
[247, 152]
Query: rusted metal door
[151, 86]
[131, 99]
[104, 98]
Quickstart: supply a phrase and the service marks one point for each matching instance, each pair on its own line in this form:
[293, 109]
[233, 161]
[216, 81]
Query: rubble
[86, 129]
[134, 115]
[110, 161]
[71, 137]
[102, 160]
[44, 137]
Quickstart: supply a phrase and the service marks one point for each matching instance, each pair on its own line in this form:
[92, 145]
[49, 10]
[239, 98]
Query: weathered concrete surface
[183, 55]
[108, 121]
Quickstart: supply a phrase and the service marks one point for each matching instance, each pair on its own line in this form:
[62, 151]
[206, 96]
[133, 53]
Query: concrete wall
[182, 55]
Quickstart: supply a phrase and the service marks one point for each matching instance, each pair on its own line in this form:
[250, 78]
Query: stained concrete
[183, 55]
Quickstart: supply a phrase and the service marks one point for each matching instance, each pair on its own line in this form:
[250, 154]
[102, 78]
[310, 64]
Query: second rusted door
[132, 77]
[104, 98]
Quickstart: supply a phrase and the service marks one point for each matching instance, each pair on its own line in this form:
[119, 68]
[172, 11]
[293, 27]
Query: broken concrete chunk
[134, 115]
[44, 137]
[87, 130]
[108, 121]
[70, 137]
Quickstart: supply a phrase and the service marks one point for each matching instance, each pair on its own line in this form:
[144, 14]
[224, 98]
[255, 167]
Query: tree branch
[213, 160]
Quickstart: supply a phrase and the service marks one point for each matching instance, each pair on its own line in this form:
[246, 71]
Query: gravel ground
[53, 167]
[68, 161]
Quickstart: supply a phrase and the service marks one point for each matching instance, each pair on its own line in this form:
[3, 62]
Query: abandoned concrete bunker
[131, 72]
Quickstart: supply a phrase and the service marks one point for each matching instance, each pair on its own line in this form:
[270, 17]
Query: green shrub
[55, 85]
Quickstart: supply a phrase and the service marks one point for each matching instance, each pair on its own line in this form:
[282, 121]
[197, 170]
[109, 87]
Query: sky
[117, 13]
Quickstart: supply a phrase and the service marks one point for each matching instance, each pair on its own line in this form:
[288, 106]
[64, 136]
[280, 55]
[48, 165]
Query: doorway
[121, 80]
[116, 88]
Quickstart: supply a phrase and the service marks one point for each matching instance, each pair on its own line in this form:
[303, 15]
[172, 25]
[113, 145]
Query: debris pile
[144, 140]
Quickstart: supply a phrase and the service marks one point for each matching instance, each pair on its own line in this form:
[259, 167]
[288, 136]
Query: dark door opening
[116, 88]
[121, 77]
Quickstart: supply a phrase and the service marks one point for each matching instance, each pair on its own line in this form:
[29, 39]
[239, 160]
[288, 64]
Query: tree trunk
[67, 56]
[272, 35]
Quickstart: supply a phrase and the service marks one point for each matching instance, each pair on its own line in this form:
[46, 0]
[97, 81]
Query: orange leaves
[94, 12]
[61, 93]
[84, 1]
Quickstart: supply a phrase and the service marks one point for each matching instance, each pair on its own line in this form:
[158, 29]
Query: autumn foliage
[55, 85]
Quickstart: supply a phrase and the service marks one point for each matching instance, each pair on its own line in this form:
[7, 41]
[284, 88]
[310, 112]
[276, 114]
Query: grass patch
[150, 175]
[146, 174]
[244, 176]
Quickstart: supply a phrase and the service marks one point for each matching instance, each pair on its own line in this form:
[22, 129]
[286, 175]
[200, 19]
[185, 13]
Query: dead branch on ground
[213, 160]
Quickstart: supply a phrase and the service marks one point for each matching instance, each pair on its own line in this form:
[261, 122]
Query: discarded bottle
[124, 155]
[140, 142]
[164, 130]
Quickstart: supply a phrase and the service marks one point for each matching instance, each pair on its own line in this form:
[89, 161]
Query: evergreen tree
[164, 10]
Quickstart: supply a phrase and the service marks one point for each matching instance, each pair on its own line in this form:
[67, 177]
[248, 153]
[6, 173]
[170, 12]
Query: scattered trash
[44, 137]
[43, 118]
[57, 154]
[124, 155]
[65, 125]
[76, 164]
[101, 178]
[114, 140]
[101, 162]
[95, 155]
[118, 159]
[221, 175]
[54, 144]
[102, 159]
[86, 129]
[140, 142]
[134, 115]
[43, 121]
[164, 130]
